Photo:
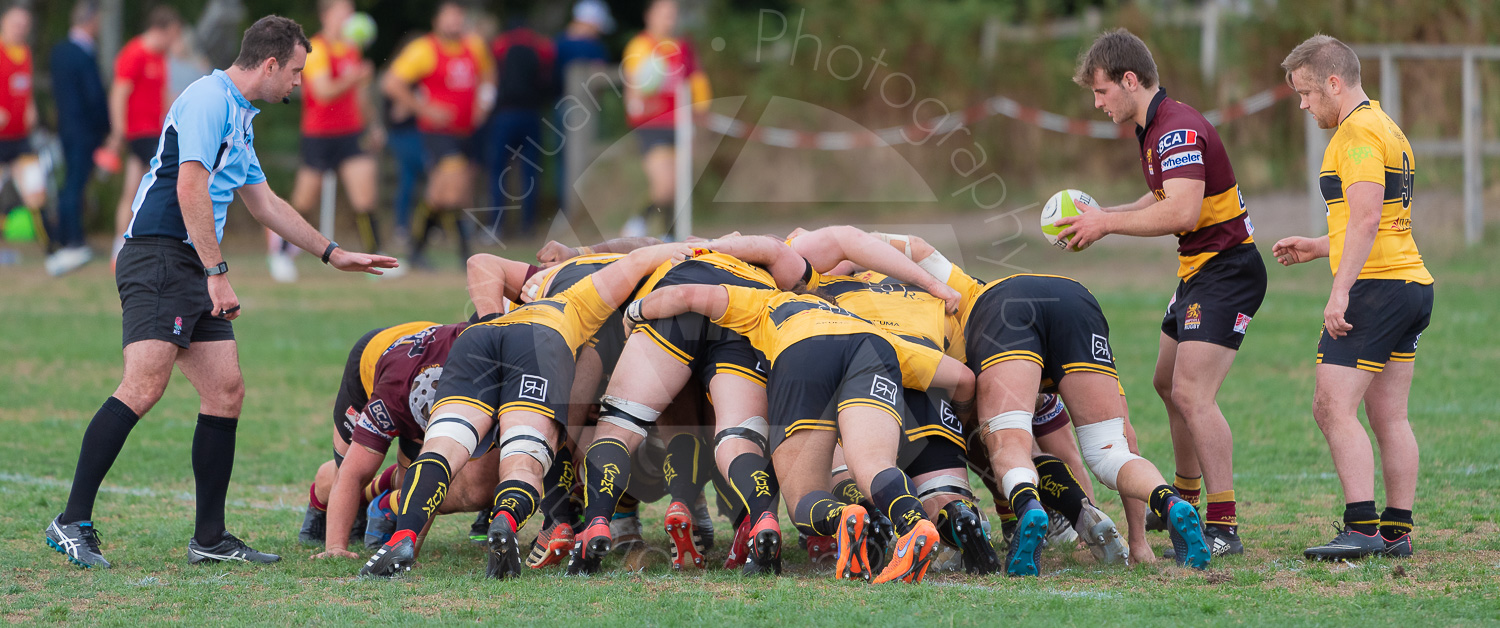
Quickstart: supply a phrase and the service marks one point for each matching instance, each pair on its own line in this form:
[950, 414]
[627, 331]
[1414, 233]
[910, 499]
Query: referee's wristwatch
[222, 268]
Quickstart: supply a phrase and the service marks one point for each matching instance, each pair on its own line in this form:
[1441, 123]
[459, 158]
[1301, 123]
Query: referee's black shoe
[78, 541]
[229, 549]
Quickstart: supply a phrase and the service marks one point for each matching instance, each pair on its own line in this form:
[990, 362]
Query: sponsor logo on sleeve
[884, 390]
[1173, 139]
[1241, 323]
[1181, 159]
[380, 416]
[1100, 346]
[534, 388]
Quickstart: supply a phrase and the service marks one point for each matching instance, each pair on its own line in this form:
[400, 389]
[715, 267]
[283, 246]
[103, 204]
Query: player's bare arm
[710, 301]
[827, 247]
[359, 468]
[1365, 200]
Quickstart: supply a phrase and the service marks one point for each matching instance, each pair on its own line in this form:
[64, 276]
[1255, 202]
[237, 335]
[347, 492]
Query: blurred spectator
[524, 62]
[18, 117]
[579, 44]
[656, 62]
[448, 79]
[335, 109]
[405, 143]
[184, 65]
[79, 93]
[138, 105]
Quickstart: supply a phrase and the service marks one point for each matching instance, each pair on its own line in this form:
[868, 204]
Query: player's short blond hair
[1323, 56]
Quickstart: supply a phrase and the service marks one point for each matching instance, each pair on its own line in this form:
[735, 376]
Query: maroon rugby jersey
[1179, 143]
[406, 378]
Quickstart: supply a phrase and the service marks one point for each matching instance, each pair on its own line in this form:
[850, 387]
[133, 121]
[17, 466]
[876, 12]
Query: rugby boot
[380, 524]
[974, 541]
[1347, 545]
[479, 531]
[78, 541]
[314, 526]
[878, 538]
[1101, 536]
[1222, 542]
[228, 550]
[703, 525]
[1021, 558]
[912, 554]
[1186, 531]
[1060, 532]
[853, 544]
[679, 525]
[551, 546]
[739, 547]
[592, 545]
[1399, 547]
[504, 551]
[625, 531]
[821, 549]
[392, 559]
[765, 547]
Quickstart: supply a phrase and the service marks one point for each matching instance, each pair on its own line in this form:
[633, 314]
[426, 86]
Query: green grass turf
[62, 358]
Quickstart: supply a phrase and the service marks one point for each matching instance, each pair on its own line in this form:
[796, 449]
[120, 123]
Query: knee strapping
[754, 429]
[1013, 420]
[626, 414]
[455, 426]
[944, 485]
[529, 441]
[1105, 449]
[1017, 476]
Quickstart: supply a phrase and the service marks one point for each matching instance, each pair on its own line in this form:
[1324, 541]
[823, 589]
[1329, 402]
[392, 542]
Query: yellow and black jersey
[563, 276]
[708, 269]
[773, 321]
[891, 304]
[1369, 147]
[379, 344]
[970, 289]
[576, 314]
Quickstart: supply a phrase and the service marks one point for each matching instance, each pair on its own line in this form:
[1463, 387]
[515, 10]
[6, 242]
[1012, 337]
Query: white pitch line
[182, 496]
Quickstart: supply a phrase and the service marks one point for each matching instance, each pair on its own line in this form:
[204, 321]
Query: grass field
[62, 358]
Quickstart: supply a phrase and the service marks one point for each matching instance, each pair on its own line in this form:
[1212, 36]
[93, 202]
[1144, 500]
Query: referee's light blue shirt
[210, 124]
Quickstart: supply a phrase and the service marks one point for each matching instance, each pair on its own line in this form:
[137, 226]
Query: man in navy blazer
[82, 125]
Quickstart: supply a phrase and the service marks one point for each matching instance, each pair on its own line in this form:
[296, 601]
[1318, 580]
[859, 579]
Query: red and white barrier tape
[999, 105]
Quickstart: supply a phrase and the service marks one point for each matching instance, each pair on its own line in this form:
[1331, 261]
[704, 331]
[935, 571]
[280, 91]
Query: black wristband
[328, 252]
[222, 268]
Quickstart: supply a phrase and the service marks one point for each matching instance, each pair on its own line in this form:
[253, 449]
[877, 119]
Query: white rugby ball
[1062, 205]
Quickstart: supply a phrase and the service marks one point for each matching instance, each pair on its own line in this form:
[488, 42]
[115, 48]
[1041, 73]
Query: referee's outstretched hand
[361, 262]
[226, 304]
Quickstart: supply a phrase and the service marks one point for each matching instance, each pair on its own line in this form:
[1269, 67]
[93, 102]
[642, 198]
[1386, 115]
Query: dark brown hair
[1116, 52]
[162, 16]
[271, 37]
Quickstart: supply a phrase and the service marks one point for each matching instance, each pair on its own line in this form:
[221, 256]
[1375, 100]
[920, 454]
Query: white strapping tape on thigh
[624, 424]
[1016, 476]
[935, 486]
[840, 469]
[1105, 449]
[527, 440]
[937, 266]
[1013, 420]
[638, 410]
[755, 429]
[453, 425]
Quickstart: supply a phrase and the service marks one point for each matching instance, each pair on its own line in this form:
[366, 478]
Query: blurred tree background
[958, 52]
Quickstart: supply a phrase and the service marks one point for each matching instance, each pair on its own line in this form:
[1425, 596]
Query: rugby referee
[175, 292]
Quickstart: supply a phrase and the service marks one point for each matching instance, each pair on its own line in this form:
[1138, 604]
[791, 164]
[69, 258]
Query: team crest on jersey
[1173, 139]
[884, 390]
[534, 388]
[1241, 323]
[1100, 346]
[1194, 316]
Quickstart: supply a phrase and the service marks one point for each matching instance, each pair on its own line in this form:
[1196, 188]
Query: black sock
[1060, 489]
[751, 478]
[891, 491]
[606, 472]
[422, 491]
[517, 499]
[557, 486]
[729, 506]
[848, 492]
[1395, 522]
[1160, 497]
[945, 519]
[1361, 517]
[685, 467]
[1022, 496]
[369, 231]
[213, 462]
[818, 514]
[102, 441]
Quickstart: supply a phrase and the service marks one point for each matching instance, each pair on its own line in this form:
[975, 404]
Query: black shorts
[164, 293]
[814, 379]
[351, 398]
[441, 145]
[144, 149]
[1388, 316]
[329, 152]
[501, 368]
[11, 150]
[652, 137]
[934, 434]
[1216, 305]
[708, 349]
[1052, 321]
